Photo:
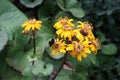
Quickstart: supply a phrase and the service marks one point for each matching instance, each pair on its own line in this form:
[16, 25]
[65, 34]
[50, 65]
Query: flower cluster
[78, 40]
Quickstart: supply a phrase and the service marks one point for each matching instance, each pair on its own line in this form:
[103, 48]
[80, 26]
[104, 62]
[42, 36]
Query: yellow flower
[85, 25]
[84, 31]
[78, 50]
[31, 24]
[61, 22]
[58, 46]
[95, 45]
[64, 27]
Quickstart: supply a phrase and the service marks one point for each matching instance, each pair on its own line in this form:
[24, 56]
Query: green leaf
[71, 6]
[109, 49]
[61, 4]
[77, 12]
[28, 71]
[39, 67]
[63, 76]
[11, 18]
[6, 72]
[31, 3]
[46, 10]
[48, 69]
[92, 58]
[101, 36]
[80, 73]
[20, 38]
[18, 60]
[3, 39]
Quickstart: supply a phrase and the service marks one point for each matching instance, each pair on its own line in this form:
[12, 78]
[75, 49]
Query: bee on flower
[78, 40]
[57, 46]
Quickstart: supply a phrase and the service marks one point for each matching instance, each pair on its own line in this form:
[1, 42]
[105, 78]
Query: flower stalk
[60, 68]
[34, 45]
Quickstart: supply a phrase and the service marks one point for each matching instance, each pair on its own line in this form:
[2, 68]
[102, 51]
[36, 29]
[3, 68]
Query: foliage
[16, 49]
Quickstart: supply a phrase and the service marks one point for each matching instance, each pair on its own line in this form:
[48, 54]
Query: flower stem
[63, 62]
[34, 44]
[34, 52]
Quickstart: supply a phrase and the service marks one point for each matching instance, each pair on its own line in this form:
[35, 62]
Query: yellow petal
[79, 58]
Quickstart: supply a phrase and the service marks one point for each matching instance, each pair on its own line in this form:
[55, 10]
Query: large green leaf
[80, 73]
[19, 59]
[41, 68]
[6, 72]
[63, 76]
[61, 4]
[101, 36]
[109, 49]
[77, 12]
[3, 39]
[31, 3]
[92, 58]
[11, 18]
[71, 6]
[28, 71]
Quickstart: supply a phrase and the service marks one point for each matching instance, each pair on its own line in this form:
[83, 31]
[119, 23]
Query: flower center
[84, 32]
[63, 20]
[67, 27]
[56, 46]
[32, 21]
[78, 47]
[88, 26]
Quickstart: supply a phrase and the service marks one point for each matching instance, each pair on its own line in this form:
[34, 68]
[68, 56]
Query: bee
[51, 42]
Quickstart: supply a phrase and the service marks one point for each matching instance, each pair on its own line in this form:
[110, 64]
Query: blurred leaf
[70, 3]
[71, 6]
[99, 76]
[10, 18]
[63, 76]
[18, 60]
[92, 58]
[48, 69]
[28, 71]
[41, 68]
[20, 38]
[6, 72]
[61, 4]
[101, 36]
[80, 73]
[27, 78]
[109, 49]
[47, 10]
[3, 39]
[77, 12]
[31, 3]
[32, 78]
[38, 68]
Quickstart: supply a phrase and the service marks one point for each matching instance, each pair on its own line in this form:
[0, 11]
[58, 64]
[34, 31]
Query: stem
[34, 45]
[34, 52]
[63, 61]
